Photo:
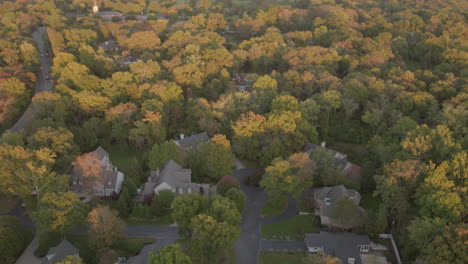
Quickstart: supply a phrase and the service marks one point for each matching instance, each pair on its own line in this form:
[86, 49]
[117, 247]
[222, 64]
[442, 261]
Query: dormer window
[327, 201]
[364, 248]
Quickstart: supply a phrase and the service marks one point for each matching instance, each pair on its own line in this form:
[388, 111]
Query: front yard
[123, 248]
[291, 229]
[124, 156]
[282, 258]
[274, 207]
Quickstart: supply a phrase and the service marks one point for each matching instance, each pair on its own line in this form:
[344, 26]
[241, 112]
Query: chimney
[323, 144]
[182, 136]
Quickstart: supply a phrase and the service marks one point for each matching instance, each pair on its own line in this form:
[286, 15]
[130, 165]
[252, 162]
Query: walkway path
[28, 254]
[42, 84]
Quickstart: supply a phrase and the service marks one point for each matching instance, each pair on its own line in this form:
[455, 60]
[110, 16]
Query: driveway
[247, 246]
[42, 84]
[159, 232]
[291, 211]
[19, 212]
[28, 254]
[282, 245]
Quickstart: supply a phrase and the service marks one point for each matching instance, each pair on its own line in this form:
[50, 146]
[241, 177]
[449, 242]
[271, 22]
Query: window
[364, 248]
[328, 201]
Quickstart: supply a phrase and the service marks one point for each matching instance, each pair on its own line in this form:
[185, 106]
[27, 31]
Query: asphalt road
[247, 246]
[42, 84]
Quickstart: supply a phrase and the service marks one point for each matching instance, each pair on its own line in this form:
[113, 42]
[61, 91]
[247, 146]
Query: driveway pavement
[42, 84]
[282, 245]
[28, 254]
[291, 211]
[247, 246]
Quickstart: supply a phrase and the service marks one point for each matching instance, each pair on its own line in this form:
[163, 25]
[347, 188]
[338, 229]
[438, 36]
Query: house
[350, 170]
[107, 182]
[325, 199]
[108, 15]
[109, 45]
[348, 247]
[60, 252]
[241, 82]
[189, 142]
[176, 179]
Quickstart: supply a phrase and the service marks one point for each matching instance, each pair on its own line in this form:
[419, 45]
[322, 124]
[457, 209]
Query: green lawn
[126, 247]
[123, 156]
[274, 207]
[163, 220]
[369, 202]
[282, 257]
[291, 229]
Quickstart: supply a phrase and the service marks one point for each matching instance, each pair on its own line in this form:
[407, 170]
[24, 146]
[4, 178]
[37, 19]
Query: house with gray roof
[176, 179]
[189, 142]
[326, 198]
[60, 252]
[348, 247]
[107, 181]
[340, 160]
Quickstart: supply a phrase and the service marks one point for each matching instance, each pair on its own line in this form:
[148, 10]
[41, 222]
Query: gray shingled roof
[334, 193]
[100, 153]
[59, 252]
[174, 175]
[193, 140]
[339, 159]
[340, 245]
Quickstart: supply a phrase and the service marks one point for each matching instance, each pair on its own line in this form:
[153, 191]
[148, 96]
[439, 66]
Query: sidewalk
[28, 255]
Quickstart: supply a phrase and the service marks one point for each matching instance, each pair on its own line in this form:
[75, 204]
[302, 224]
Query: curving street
[43, 82]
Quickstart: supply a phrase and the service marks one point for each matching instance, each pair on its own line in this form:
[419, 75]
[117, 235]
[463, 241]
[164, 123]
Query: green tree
[162, 153]
[161, 203]
[448, 247]
[223, 209]
[422, 230]
[58, 212]
[347, 213]
[210, 237]
[13, 238]
[185, 207]
[170, 254]
[238, 197]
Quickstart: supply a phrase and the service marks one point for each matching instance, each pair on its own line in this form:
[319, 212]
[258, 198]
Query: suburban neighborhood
[233, 132]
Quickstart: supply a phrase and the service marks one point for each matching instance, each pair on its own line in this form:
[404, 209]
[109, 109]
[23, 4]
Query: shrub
[226, 183]
[161, 203]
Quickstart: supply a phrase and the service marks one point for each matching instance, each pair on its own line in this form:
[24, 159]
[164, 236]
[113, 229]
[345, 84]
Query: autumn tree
[105, 227]
[210, 237]
[71, 260]
[58, 212]
[90, 168]
[24, 172]
[448, 247]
